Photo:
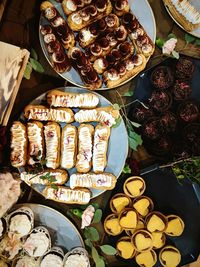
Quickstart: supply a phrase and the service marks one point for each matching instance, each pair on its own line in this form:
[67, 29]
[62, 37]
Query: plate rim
[82, 85]
[54, 210]
[122, 121]
[170, 14]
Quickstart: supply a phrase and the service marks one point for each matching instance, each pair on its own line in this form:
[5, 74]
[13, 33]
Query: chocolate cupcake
[151, 129]
[162, 146]
[188, 111]
[162, 77]
[181, 150]
[192, 137]
[181, 90]
[185, 69]
[160, 101]
[141, 114]
[168, 122]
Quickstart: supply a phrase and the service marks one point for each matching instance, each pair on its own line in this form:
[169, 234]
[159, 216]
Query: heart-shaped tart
[146, 259]
[158, 240]
[156, 222]
[128, 219]
[112, 226]
[142, 240]
[125, 248]
[119, 202]
[169, 256]
[139, 226]
[134, 186]
[175, 225]
[143, 205]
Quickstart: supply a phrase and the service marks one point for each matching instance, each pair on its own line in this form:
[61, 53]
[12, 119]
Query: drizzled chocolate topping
[127, 18]
[121, 4]
[101, 4]
[101, 24]
[104, 42]
[50, 13]
[142, 40]
[53, 47]
[48, 38]
[120, 32]
[58, 56]
[116, 54]
[76, 53]
[125, 48]
[95, 48]
[93, 29]
[91, 10]
[111, 20]
[46, 29]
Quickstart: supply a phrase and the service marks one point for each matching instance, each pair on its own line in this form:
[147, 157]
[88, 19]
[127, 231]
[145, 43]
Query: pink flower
[87, 216]
[169, 46]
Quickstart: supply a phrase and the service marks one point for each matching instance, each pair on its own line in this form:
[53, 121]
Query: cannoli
[52, 141]
[46, 177]
[120, 7]
[58, 57]
[60, 26]
[56, 98]
[124, 70]
[87, 35]
[85, 69]
[36, 142]
[68, 147]
[104, 115]
[70, 6]
[92, 180]
[66, 195]
[18, 144]
[84, 156]
[42, 113]
[87, 15]
[101, 139]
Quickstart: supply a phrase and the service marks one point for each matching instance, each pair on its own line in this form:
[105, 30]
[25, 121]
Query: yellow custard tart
[112, 226]
[156, 222]
[159, 240]
[134, 186]
[143, 205]
[128, 219]
[146, 259]
[170, 256]
[119, 202]
[142, 240]
[175, 225]
[140, 225]
[125, 248]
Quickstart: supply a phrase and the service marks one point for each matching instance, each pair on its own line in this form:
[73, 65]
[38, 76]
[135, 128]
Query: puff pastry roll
[52, 141]
[18, 144]
[70, 6]
[92, 180]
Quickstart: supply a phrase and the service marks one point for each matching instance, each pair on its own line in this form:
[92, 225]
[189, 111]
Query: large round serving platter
[195, 32]
[118, 143]
[63, 232]
[142, 11]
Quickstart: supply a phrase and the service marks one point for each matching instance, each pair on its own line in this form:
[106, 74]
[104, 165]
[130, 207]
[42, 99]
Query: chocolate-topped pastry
[181, 90]
[185, 69]
[90, 13]
[125, 248]
[188, 111]
[168, 121]
[181, 150]
[143, 205]
[142, 240]
[162, 146]
[59, 25]
[151, 128]
[119, 202]
[175, 225]
[59, 59]
[134, 186]
[192, 137]
[170, 256]
[100, 65]
[112, 226]
[156, 222]
[121, 33]
[160, 100]
[141, 113]
[146, 259]
[84, 68]
[162, 77]
[120, 7]
[70, 6]
[128, 218]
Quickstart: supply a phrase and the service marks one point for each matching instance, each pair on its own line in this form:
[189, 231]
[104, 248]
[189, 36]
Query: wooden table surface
[22, 17]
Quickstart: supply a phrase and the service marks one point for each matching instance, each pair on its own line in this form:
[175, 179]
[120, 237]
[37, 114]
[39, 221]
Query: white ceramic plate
[140, 8]
[196, 32]
[118, 143]
[63, 232]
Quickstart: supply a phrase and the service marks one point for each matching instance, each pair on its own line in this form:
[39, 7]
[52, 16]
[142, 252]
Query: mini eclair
[70, 6]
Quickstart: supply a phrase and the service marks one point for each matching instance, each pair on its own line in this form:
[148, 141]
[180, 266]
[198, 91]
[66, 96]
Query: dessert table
[22, 17]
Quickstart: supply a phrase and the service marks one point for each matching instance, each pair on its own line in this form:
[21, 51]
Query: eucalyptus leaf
[175, 54]
[129, 93]
[88, 243]
[108, 250]
[34, 54]
[160, 42]
[189, 38]
[171, 35]
[36, 65]
[95, 255]
[197, 41]
[100, 263]
[135, 124]
[118, 121]
[126, 169]
[116, 106]
[27, 72]
[91, 233]
[134, 140]
[97, 216]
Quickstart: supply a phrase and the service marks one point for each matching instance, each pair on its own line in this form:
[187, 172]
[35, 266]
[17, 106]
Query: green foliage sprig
[33, 64]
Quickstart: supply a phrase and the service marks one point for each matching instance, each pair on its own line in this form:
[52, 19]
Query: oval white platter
[142, 11]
